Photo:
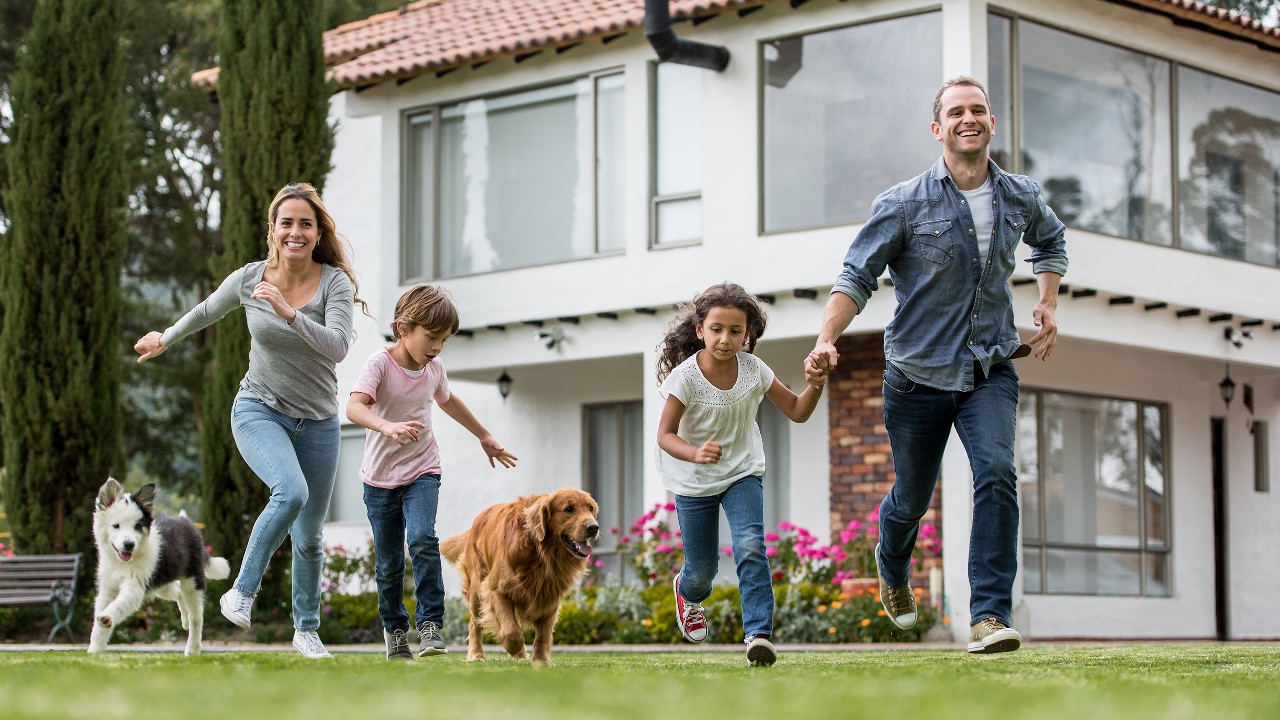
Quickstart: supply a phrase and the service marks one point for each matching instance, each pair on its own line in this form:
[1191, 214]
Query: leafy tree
[1263, 10]
[59, 273]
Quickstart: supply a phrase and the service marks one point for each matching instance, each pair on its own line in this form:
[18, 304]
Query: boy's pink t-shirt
[400, 397]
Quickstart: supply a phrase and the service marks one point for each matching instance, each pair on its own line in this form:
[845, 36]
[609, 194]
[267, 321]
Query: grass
[1221, 682]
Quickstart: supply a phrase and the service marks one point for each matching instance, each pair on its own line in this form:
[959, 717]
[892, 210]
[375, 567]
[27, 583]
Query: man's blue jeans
[298, 461]
[392, 512]
[699, 518]
[919, 421]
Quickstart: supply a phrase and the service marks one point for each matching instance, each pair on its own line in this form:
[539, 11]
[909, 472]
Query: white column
[964, 38]
[957, 521]
[653, 403]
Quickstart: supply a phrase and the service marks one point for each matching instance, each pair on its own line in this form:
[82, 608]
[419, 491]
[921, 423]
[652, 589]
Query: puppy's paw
[97, 648]
[479, 657]
[543, 663]
[105, 621]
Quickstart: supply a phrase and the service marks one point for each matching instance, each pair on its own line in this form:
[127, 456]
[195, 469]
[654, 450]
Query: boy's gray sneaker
[430, 641]
[398, 645]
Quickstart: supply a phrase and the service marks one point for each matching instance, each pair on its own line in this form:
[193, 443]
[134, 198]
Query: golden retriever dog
[518, 561]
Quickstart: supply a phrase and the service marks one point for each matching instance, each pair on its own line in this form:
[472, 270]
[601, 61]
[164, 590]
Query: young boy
[401, 465]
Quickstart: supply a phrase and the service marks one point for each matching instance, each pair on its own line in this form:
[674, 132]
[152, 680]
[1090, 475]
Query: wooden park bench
[35, 580]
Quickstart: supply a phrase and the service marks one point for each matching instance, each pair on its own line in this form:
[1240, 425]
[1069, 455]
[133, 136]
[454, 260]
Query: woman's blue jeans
[919, 421]
[699, 517]
[399, 515]
[298, 461]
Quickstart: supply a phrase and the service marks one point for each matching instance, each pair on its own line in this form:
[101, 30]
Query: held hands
[1043, 315]
[495, 451]
[273, 296]
[151, 345]
[819, 363]
[403, 432]
[707, 453]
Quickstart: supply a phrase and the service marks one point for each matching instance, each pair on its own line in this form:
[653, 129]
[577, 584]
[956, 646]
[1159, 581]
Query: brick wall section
[861, 461]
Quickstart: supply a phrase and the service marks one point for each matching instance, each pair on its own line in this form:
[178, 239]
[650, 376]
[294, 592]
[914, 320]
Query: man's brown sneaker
[992, 636]
[899, 602]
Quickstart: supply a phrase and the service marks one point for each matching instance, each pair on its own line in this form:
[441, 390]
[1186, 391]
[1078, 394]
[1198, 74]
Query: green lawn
[1218, 682]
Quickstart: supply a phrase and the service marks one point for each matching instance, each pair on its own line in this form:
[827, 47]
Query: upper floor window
[833, 102]
[1093, 123]
[677, 142]
[1229, 167]
[515, 180]
[1093, 487]
[1095, 133]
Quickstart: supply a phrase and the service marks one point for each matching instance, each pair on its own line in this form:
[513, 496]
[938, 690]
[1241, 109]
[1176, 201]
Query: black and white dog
[142, 555]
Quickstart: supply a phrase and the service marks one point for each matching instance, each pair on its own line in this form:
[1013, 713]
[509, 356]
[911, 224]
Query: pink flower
[874, 515]
[848, 536]
[768, 537]
[771, 552]
[624, 540]
[727, 550]
[662, 549]
[854, 525]
[665, 535]
[599, 563]
[669, 507]
[785, 526]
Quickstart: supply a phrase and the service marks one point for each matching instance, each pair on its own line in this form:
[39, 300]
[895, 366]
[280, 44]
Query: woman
[299, 304]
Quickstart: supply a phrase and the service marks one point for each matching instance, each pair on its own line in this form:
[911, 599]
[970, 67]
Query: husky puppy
[141, 555]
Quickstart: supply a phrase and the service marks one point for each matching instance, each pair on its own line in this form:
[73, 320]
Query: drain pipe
[657, 27]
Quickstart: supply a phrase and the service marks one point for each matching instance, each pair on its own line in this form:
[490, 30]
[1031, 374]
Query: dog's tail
[216, 568]
[452, 548]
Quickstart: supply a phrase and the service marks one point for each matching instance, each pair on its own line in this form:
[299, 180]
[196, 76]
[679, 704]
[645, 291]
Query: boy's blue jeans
[743, 505]
[407, 513]
[298, 461]
[919, 421]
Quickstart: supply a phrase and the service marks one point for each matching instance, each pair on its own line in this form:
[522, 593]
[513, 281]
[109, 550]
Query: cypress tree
[60, 274]
[274, 130]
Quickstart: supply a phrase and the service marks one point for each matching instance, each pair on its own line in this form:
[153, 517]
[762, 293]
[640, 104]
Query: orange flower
[865, 622]
[919, 591]
[881, 613]
[831, 631]
[822, 608]
[646, 622]
[835, 605]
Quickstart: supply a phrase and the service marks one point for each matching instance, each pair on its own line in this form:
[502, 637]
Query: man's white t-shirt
[724, 416]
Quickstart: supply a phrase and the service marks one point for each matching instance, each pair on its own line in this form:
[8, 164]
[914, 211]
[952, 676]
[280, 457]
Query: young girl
[401, 465]
[713, 455]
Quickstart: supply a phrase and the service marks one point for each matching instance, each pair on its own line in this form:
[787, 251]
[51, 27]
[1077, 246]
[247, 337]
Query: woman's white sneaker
[308, 643]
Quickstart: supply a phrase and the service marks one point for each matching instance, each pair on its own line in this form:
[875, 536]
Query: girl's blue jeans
[298, 461]
[699, 517]
[400, 516]
[919, 421]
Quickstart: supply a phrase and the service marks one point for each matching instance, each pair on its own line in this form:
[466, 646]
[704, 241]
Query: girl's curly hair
[681, 340]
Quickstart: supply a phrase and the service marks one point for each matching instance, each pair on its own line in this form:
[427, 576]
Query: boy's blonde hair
[425, 306]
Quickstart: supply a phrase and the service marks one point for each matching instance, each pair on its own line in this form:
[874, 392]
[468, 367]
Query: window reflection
[1229, 151]
[1095, 133]
[833, 102]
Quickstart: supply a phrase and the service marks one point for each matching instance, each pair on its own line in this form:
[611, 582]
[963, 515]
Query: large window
[1093, 490]
[677, 141]
[1229, 167]
[1093, 125]
[846, 116]
[615, 469]
[516, 180]
[1095, 133]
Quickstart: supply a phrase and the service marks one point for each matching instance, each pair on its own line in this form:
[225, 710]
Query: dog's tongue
[581, 547]
[125, 556]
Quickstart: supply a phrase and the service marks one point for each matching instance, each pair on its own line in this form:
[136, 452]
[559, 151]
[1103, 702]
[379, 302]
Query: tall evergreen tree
[274, 130]
[60, 273]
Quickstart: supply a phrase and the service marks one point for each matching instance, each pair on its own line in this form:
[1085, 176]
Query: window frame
[589, 483]
[656, 199]
[1013, 126]
[1143, 551]
[430, 256]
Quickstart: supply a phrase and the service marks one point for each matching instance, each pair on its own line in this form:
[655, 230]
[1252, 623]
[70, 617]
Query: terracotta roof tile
[435, 35]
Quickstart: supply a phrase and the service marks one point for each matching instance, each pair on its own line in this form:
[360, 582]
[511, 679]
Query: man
[948, 238]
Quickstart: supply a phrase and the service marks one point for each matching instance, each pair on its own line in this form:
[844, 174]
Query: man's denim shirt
[952, 309]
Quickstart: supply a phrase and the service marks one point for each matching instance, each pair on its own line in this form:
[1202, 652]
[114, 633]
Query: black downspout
[657, 27]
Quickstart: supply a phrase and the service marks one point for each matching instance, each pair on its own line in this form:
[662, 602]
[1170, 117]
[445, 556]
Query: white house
[533, 157]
